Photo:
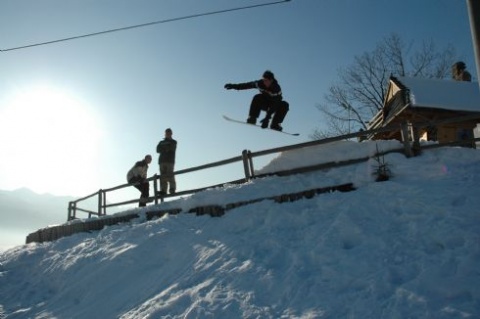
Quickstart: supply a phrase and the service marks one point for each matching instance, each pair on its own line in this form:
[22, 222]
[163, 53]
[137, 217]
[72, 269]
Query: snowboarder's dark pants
[262, 102]
[144, 188]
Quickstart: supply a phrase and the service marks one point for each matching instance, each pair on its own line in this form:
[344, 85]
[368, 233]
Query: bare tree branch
[360, 91]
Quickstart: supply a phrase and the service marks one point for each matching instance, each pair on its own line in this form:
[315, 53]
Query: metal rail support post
[100, 201]
[406, 139]
[246, 165]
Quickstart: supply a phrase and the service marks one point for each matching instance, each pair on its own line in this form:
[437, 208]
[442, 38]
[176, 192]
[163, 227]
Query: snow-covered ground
[405, 248]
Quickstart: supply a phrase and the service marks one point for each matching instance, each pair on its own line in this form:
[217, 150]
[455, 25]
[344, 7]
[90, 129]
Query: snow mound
[405, 248]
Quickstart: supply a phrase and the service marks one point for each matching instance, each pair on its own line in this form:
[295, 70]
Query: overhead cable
[143, 25]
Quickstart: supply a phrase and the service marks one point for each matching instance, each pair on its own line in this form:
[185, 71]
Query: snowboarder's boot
[264, 123]
[266, 120]
[252, 120]
[276, 127]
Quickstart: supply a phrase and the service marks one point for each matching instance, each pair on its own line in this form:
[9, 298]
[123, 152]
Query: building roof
[441, 94]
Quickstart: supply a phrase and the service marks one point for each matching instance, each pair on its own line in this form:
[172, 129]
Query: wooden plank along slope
[56, 232]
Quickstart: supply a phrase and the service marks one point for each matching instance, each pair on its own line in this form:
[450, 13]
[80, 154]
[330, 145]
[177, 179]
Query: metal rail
[410, 149]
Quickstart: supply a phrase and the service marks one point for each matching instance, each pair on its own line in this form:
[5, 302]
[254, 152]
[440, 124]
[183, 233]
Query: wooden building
[418, 100]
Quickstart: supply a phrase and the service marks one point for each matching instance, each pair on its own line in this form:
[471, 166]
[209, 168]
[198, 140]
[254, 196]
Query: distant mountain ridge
[23, 211]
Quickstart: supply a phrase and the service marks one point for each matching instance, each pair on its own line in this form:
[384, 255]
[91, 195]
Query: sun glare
[49, 142]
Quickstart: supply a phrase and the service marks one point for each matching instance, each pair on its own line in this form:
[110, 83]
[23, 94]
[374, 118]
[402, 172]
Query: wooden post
[70, 210]
[250, 162]
[406, 139]
[246, 166]
[416, 141]
[155, 188]
[104, 201]
[99, 211]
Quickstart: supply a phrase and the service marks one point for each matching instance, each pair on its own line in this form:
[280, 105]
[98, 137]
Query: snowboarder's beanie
[168, 130]
[268, 75]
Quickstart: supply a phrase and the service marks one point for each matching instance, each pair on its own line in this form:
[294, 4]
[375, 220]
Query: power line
[144, 25]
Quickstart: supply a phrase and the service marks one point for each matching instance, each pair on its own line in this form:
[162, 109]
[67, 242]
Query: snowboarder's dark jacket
[166, 148]
[273, 92]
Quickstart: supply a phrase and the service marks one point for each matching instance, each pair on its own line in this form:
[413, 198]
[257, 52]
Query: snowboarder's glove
[229, 86]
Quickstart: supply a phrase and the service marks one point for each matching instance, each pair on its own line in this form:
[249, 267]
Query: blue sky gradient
[131, 85]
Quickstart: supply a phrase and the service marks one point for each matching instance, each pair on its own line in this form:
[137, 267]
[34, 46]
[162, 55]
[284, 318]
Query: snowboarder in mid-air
[269, 100]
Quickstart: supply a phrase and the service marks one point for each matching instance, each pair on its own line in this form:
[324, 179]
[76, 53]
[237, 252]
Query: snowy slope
[405, 248]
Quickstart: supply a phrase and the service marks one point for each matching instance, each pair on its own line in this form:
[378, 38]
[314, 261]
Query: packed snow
[441, 94]
[404, 248]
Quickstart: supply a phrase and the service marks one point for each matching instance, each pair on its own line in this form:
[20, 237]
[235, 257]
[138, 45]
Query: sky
[404, 248]
[76, 115]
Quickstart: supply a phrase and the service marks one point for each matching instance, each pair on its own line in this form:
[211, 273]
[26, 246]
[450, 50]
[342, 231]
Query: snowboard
[254, 125]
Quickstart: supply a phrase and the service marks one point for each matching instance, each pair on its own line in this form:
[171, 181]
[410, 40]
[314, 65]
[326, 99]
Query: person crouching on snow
[138, 175]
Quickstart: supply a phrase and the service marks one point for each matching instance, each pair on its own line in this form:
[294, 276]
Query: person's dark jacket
[274, 92]
[138, 172]
[166, 148]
